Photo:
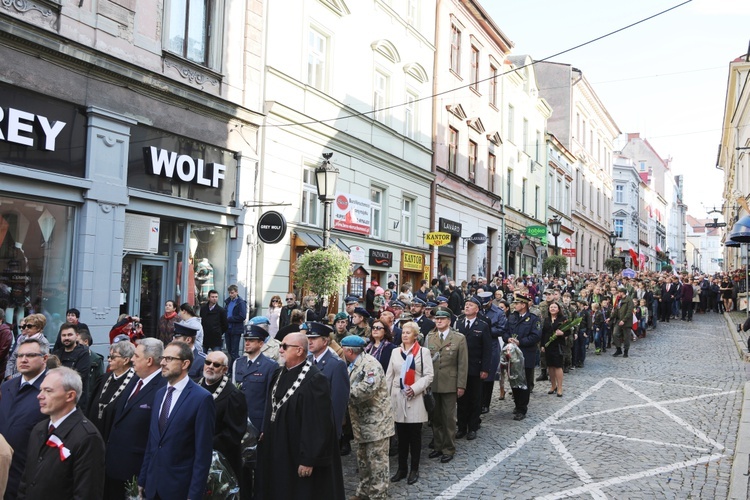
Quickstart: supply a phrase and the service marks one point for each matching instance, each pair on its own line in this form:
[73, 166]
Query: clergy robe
[302, 434]
[231, 423]
[99, 395]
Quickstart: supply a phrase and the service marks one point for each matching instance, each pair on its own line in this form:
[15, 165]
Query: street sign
[568, 252]
[271, 227]
[716, 224]
[438, 238]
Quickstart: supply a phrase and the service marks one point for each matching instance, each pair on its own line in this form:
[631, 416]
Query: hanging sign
[271, 227]
[438, 238]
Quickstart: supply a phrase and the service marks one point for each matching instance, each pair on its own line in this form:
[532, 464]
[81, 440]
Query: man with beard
[298, 450]
[74, 356]
[231, 410]
[214, 322]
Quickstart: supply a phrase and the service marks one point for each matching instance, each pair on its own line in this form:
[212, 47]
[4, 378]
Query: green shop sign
[537, 232]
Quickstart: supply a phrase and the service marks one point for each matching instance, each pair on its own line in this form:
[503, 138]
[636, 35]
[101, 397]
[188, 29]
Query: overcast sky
[665, 78]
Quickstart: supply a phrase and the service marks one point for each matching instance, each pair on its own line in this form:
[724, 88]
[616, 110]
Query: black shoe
[398, 476]
[542, 376]
[446, 458]
[346, 448]
[618, 352]
[519, 416]
[471, 436]
[460, 434]
[393, 451]
[485, 409]
[625, 355]
[515, 411]
[435, 454]
[413, 477]
[431, 445]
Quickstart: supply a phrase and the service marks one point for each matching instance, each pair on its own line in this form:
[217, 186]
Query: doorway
[143, 288]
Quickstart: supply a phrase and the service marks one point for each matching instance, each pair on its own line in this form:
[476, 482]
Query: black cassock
[231, 423]
[104, 424]
[302, 434]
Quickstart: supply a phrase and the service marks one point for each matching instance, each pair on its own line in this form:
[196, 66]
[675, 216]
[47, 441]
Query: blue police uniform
[254, 380]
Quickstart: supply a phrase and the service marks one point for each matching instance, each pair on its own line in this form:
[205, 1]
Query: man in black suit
[668, 292]
[19, 409]
[68, 449]
[126, 442]
[426, 325]
[75, 356]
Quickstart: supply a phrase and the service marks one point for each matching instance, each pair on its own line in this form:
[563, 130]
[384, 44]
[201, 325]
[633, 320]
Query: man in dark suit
[213, 321]
[19, 409]
[75, 356]
[68, 450]
[668, 293]
[495, 317]
[180, 437]
[231, 410]
[126, 440]
[426, 325]
[330, 365]
[112, 387]
[253, 373]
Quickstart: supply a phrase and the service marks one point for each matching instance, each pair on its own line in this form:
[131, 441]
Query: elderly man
[187, 335]
[101, 408]
[70, 451]
[231, 409]
[126, 442]
[19, 409]
[297, 451]
[451, 364]
[372, 418]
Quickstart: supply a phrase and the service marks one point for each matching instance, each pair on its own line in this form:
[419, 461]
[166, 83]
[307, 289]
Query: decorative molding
[108, 140]
[24, 6]
[476, 124]
[337, 6]
[416, 71]
[457, 110]
[386, 49]
[191, 75]
[495, 138]
[106, 207]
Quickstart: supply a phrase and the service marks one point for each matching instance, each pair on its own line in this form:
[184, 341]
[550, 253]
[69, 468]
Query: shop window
[207, 262]
[35, 255]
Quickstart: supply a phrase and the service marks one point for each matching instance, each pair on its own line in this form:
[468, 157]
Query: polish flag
[658, 248]
[567, 240]
[634, 258]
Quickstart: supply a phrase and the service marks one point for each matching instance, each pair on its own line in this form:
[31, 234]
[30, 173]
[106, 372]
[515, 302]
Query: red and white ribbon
[54, 442]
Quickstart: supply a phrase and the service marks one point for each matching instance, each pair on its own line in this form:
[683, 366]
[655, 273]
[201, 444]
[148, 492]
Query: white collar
[59, 422]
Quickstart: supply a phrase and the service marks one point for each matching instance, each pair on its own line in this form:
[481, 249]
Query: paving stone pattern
[660, 424]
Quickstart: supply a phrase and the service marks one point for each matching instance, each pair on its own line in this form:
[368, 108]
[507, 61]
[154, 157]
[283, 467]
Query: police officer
[270, 348]
[372, 418]
[495, 317]
[426, 325]
[525, 331]
[187, 334]
[479, 344]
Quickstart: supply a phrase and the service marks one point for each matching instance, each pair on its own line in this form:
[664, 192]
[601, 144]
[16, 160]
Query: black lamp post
[325, 180]
[613, 242]
[554, 224]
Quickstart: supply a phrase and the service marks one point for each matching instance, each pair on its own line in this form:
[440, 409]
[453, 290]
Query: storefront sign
[382, 258]
[29, 129]
[568, 252]
[271, 227]
[412, 261]
[454, 229]
[449, 226]
[437, 239]
[169, 164]
[357, 254]
[536, 231]
[478, 238]
[351, 213]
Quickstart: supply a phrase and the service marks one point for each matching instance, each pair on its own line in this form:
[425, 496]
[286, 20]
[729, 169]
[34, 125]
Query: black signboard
[478, 238]
[454, 228]
[271, 227]
[40, 132]
[382, 258]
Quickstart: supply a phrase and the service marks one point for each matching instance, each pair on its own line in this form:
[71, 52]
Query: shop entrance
[143, 288]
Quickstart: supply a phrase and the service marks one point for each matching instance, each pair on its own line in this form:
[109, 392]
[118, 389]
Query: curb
[739, 342]
[740, 476]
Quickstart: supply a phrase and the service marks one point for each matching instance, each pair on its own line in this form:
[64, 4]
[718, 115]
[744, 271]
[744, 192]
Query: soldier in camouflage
[549, 294]
[371, 416]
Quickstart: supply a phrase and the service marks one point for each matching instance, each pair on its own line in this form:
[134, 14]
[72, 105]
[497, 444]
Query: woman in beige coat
[409, 375]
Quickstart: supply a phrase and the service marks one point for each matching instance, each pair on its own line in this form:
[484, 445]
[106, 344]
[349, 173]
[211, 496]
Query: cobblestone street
[661, 424]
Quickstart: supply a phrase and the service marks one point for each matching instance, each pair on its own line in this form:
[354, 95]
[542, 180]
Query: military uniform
[450, 361]
[621, 334]
[254, 379]
[527, 329]
[372, 423]
[363, 331]
[270, 350]
[479, 345]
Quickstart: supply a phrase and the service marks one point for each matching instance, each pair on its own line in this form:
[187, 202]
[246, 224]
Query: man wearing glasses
[185, 334]
[285, 316]
[19, 408]
[298, 456]
[180, 436]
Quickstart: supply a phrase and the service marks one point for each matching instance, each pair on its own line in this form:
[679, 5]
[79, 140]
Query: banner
[351, 213]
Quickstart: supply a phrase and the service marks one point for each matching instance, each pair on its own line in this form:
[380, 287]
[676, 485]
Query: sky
[665, 78]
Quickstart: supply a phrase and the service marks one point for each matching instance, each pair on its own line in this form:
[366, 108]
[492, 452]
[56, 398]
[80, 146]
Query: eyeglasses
[27, 325]
[169, 359]
[290, 299]
[215, 364]
[28, 355]
[287, 346]
[378, 328]
[275, 300]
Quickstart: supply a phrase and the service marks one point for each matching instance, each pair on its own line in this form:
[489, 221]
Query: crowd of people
[306, 383]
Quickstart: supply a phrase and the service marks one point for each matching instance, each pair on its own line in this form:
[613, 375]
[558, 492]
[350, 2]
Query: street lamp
[554, 224]
[613, 242]
[325, 180]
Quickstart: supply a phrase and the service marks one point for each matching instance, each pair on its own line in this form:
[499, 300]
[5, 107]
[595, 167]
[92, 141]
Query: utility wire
[365, 113]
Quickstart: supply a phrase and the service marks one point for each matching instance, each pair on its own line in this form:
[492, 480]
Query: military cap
[351, 299]
[405, 317]
[259, 320]
[315, 329]
[255, 332]
[622, 289]
[441, 299]
[121, 338]
[431, 304]
[485, 297]
[520, 297]
[475, 300]
[182, 330]
[353, 341]
[548, 291]
[442, 312]
[416, 301]
[398, 303]
[340, 316]
[361, 311]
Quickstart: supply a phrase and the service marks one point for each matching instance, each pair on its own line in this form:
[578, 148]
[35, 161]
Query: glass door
[146, 292]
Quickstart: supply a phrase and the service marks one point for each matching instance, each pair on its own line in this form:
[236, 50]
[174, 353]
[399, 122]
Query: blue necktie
[164, 415]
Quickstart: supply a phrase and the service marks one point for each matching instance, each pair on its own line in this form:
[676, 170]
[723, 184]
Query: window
[566, 199]
[642, 166]
[472, 161]
[523, 195]
[558, 193]
[599, 150]
[509, 187]
[380, 97]
[376, 212]
[619, 225]
[619, 193]
[538, 149]
[550, 192]
[511, 123]
[536, 202]
[591, 145]
[410, 115]
[407, 205]
[525, 138]
[412, 12]
[493, 85]
[578, 126]
[188, 33]
[317, 55]
[455, 49]
[583, 135]
[491, 166]
[474, 68]
[309, 197]
[452, 149]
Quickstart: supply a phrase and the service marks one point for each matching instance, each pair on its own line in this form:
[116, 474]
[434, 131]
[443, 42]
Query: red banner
[568, 252]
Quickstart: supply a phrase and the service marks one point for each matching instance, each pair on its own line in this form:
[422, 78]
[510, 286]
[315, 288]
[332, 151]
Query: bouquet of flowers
[222, 483]
[249, 445]
[572, 323]
[513, 362]
[131, 489]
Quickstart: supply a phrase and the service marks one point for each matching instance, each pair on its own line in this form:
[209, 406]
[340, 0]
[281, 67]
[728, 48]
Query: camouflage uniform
[363, 332]
[271, 350]
[372, 423]
[570, 312]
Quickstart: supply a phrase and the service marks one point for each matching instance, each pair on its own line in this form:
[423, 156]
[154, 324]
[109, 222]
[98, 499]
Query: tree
[667, 268]
[613, 264]
[322, 271]
[554, 264]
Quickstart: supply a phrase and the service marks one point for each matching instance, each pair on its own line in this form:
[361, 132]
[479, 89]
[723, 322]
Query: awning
[314, 240]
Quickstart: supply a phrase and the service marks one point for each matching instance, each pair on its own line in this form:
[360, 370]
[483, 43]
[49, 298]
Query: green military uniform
[450, 361]
[372, 423]
[621, 333]
[363, 331]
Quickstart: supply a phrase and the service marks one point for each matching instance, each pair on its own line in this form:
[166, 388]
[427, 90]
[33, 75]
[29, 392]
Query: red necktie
[51, 429]
[137, 389]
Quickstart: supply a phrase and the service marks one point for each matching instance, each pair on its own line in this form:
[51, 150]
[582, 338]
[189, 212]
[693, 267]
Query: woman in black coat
[554, 353]
[381, 343]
